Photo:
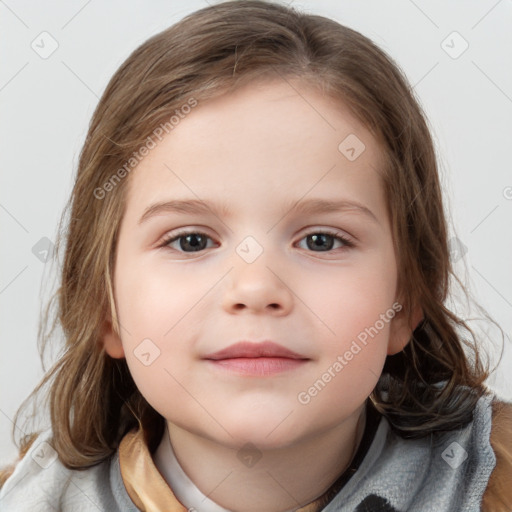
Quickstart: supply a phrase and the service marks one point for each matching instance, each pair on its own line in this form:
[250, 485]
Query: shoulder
[444, 471]
[447, 470]
[498, 495]
[40, 481]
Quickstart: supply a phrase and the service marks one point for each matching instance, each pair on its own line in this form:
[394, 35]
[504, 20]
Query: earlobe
[401, 331]
[111, 341]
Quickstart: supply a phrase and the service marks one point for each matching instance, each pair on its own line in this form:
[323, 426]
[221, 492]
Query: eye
[196, 241]
[324, 241]
[193, 240]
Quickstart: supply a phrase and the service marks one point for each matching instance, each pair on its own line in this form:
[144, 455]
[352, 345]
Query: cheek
[356, 310]
[160, 373]
[353, 297]
[152, 314]
[153, 300]
[349, 368]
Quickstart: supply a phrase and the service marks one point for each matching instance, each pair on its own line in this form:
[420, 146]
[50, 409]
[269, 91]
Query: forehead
[268, 139]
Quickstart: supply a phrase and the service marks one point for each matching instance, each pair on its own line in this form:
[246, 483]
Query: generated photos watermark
[150, 143]
[305, 397]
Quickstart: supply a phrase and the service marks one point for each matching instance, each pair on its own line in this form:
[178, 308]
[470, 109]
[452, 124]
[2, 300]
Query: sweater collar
[160, 484]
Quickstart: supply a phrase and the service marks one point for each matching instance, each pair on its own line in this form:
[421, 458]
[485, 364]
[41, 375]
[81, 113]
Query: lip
[247, 349]
[256, 359]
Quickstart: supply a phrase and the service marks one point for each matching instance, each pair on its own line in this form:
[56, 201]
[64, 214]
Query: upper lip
[252, 350]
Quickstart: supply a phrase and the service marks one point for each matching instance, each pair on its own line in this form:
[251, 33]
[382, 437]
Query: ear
[401, 330]
[111, 340]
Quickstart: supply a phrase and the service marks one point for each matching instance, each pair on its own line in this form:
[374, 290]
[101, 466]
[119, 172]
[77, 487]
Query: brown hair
[431, 385]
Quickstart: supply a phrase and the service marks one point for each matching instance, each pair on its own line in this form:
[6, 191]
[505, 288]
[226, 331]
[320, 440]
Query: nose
[258, 288]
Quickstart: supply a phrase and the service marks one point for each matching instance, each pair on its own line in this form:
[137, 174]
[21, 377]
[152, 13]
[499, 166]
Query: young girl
[253, 290]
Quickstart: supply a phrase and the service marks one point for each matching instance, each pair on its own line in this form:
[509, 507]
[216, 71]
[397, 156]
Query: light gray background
[47, 103]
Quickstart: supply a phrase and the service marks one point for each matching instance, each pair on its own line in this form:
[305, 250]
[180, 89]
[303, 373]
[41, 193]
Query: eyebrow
[197, 206]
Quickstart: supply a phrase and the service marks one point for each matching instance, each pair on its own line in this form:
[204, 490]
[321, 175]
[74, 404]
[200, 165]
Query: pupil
[318, 239]
[194, 241]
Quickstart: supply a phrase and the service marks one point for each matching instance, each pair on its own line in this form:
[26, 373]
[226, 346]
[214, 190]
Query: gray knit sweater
[445, 472]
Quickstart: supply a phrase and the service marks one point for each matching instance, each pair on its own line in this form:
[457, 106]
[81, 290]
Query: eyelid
[345, 238]
[178, 233]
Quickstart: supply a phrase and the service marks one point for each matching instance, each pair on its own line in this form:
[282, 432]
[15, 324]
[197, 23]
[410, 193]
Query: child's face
[260, 274]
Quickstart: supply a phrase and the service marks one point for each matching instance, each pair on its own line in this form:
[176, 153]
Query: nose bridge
[254, 282]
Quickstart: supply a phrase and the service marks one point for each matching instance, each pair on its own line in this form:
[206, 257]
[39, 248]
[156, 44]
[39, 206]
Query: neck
[282, 479]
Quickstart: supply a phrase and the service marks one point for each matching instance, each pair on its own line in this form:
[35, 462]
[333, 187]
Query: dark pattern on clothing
[375, 503]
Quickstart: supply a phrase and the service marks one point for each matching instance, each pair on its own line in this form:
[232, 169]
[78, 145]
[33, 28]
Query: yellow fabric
[146, 486]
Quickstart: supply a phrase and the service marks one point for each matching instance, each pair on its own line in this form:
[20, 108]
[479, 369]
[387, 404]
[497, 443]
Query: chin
[264, 434]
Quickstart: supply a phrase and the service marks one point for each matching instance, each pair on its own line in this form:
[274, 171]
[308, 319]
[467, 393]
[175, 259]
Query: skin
[259, 150]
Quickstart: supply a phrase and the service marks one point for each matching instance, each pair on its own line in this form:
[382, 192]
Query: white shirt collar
[182, 487]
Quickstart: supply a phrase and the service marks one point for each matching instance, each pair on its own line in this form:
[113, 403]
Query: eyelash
[172, 237]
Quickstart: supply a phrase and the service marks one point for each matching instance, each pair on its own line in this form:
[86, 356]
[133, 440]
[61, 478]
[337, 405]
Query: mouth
[256, 359]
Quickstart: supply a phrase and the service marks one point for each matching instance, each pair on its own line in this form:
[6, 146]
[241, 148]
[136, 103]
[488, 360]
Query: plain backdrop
[456, 54]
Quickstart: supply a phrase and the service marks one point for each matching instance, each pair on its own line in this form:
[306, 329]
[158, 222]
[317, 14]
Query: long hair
[432, 385]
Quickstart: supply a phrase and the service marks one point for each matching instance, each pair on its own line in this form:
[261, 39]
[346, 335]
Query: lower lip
[258, 366]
